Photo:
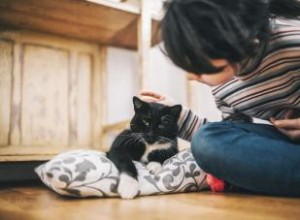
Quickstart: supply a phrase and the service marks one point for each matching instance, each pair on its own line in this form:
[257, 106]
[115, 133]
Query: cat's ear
[175, 110]
[139, 105]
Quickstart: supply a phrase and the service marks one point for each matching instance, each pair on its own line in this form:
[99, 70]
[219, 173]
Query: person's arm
[289, 37]
[290, 126]
[188, 122]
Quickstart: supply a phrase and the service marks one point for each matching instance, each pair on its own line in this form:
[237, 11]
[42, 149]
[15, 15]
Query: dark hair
[196, 31]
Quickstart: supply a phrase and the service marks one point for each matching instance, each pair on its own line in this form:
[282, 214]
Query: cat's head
[155, 122]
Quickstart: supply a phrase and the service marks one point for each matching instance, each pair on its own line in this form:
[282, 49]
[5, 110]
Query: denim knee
[205, 144]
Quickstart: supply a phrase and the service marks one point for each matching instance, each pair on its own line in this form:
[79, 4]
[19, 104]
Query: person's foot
[215, 184]
[219, 185]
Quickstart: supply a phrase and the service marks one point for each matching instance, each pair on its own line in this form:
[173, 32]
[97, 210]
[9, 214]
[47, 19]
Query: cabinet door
[49, 95]
[6, 67]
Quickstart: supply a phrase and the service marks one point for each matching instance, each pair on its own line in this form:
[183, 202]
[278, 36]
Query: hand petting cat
[150, 96]
[290, 126]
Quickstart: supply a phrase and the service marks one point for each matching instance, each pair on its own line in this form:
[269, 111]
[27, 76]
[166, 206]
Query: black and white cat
[151, 139]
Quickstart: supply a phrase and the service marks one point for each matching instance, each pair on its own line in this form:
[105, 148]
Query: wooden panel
[144, 41]
[80, 98]
[128, 37]
[29, 22]
[126, 5]
[95, 20]
[72, 12]
[99, 96]
[15, 133]
[101, 87]
[24, 153]
[73, 102]
[55, 95]
[45, 96]
[6, 60]
[72, 18]
[84, 70]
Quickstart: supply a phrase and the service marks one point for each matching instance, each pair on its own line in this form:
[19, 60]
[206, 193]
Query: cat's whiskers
[137, 138]
[135, 135]
[127, 135]
[128, 139]
[167, 139]
[140, 139]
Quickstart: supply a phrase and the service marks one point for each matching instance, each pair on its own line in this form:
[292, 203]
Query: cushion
[88, 173]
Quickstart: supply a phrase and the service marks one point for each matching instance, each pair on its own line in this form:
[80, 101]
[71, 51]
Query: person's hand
[288, 126]
[150, 96]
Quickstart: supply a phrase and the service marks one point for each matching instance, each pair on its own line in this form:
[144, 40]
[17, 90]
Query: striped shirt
[264, 87]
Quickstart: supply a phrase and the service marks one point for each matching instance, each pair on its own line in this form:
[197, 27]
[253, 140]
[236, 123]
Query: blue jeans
[256, 157]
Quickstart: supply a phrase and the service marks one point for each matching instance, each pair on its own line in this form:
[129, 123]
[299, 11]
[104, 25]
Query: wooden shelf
[116, 126]
[98, 21]
[118, 5]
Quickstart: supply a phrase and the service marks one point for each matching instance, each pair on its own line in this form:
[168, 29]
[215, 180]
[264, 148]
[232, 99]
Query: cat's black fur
[153, 125]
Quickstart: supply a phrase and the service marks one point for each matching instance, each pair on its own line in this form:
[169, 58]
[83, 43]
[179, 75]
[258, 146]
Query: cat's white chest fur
[152, 147]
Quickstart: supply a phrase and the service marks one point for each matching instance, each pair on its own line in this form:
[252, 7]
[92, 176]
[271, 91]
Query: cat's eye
[161, 126]
[166, 119]
[145, 122]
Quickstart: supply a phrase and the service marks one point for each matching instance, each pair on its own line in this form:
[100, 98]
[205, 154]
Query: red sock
[215, 184]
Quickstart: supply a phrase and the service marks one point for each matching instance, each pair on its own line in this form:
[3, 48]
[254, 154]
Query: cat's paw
[154, 167]
[128, 186]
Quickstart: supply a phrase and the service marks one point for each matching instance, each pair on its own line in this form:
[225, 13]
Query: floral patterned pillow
[86, 173]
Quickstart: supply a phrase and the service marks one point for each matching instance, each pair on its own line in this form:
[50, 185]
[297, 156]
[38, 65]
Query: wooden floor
[37, 202]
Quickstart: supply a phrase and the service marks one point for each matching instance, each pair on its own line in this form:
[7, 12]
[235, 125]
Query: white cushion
[85, 173]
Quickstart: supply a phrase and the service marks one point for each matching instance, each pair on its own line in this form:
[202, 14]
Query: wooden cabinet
[50, 94]
[52, 72]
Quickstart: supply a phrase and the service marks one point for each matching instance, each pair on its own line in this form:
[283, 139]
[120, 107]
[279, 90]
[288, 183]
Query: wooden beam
[144, 43]
[117, 5]
[104, 95]
[78, 19]
[116, 126]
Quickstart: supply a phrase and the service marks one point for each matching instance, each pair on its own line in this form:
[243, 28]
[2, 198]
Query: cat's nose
[150, 139]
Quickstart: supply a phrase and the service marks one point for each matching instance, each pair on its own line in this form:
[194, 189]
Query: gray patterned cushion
[85, 173]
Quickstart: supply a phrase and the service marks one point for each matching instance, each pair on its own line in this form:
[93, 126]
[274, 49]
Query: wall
[165, 78]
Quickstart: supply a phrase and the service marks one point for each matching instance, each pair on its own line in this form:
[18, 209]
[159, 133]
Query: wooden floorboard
[37, 202]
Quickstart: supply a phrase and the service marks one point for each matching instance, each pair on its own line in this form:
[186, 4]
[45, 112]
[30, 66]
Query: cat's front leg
[157, 157]
[128, 186]
[154, 167]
